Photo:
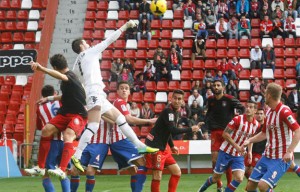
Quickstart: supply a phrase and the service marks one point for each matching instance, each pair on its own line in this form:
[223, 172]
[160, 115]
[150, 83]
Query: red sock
[67, 153]
[44, 148]
[155, 184]
[173, 182]
[229, 175]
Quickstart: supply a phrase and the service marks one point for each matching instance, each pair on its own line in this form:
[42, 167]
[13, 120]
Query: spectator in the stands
[183, 122]
[223, 66]
[197, 86]
[244, 27]
[124, 5]
[255, 91]
[202, 32]
[211, 5]
[184, 111]
[128, 65]
[290, 27]
[198, 48]
[284, 99]
[158, 55]
[221, 76]
[231, 89]
[276, 3]
[268, 58]
[266, 3]
[144, 30]
[176, 5]
[242, 8]
[221, 29]
[139, 83]
[176, 46]
[266, 27]
[208, 93]
[298, 69]
[195, 108]
[222, 9]
[210, 19]
[200, 8]
[194, 135]
[277, 13]
[255, 57]
[294, 99]
[126, 75]
[206, 86]
[235, 67]
[263, 12]
[144, 10]
[131, 33]
[254, 9]
[290, 7]
[196, 23]
[195, 96]
[208, 77]
[233, 28]
[231, 7]
[278, 28]
[135, 110]
[189, 9]
[147, 112]
[116, 69]
[175, 59]
[163, 70]
[149, 71]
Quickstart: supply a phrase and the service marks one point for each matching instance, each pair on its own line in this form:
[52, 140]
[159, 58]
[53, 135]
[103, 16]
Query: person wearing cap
[255, 58]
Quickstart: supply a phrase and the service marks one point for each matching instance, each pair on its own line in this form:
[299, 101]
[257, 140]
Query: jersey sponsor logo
[123, 107]
[224, 103]
[291, 119]
[171, 117]
[94, 99]
[76, 121]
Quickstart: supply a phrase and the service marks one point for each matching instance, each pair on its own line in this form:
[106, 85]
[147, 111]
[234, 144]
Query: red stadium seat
[211, 44]
[111, 24]
[151, 86]
[178, 14]
[153, 44]
[255, 33]
[221, 53]
[165, 43]
[166, 34]
[87, 34]
[123, 14]
[5, 89]
[4, 98]
[2, 15]
[255, 42]
[90, 15]
[186, 64]
[256, 73]
[3, 109]
[10, 80]
[101, 15]
[290, 83]
[279, 73]
[298, 52]
[187, 53]
[232, 53]
[119, 44]
[290, 52]
[137, 97]
[186, 75]
[118, 54]
[21, 26]
[142, 44]
[244, 95]
[198, 75]
[141, 54]
[13, 109]
[289, 42]
[278, 42]
[7, 46]
[29, 37]
[37, 4]
[11, 15]
[100, 24]
[162, 86]
[279, 52]
[233, 44]
[16, 98]
[9, 128]
[290, 62]
[173, 85]
[210, 53]
[159, 107]
[136, 130]
[139, 64]
[105, 65]
[121, 23]
[10, 119]
[280, 82]
[5, 4]
[177, 24]
[279, 63]
[290, 73]
[222, 43]
[244, 43]
[134, 14]
[210, 64]
[92, 6]
[167, 24]
[244, 74]
[149, 54]
[6, 37]
[187, 43]
[149, 97]
[98, 34]
[198, 64]
[145, 131]
[89, 25]
[244, 53]
[188, 34]
[155, 24]
[255, 23]
[102, 5]
[185, 85]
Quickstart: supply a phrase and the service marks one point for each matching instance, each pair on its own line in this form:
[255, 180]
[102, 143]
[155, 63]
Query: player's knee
[132, 170]
[239, 179]
[90, 171]
[47, 130]
[216, 177]
[69, 135]
[262, 186]
[157, 175]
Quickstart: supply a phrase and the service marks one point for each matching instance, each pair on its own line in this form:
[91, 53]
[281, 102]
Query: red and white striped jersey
[279, 124]
[242, 130]
[45, 113]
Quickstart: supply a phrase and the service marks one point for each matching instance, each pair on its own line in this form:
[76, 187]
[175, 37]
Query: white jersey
[87, 66]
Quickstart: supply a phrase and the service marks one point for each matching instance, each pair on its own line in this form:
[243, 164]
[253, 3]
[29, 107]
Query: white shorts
[97, 97]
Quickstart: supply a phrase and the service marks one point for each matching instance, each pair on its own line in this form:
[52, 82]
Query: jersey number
[98, 157]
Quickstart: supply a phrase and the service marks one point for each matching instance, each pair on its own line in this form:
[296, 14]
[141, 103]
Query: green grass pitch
[120, 183]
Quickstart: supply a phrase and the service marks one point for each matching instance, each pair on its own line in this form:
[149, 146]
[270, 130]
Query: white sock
[85, 138]
[128, 132]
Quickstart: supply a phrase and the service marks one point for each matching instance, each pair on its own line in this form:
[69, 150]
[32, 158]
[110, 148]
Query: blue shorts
[123, 153]
[54, 155]
[269, 171]
[225, 161]
[94, 155]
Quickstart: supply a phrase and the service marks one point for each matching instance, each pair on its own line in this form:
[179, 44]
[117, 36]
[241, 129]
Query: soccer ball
[158, 7]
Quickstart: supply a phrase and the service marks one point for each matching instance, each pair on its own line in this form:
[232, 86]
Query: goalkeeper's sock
[173, 182]
[232, 186]
[65, 185]
[48, 185]
[155, 185]
[90, 183]
[75, 180]
[140, 178]
[297, 170]
[207, 183]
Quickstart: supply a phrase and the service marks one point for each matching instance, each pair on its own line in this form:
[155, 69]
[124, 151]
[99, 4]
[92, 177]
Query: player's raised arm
[35, 66]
